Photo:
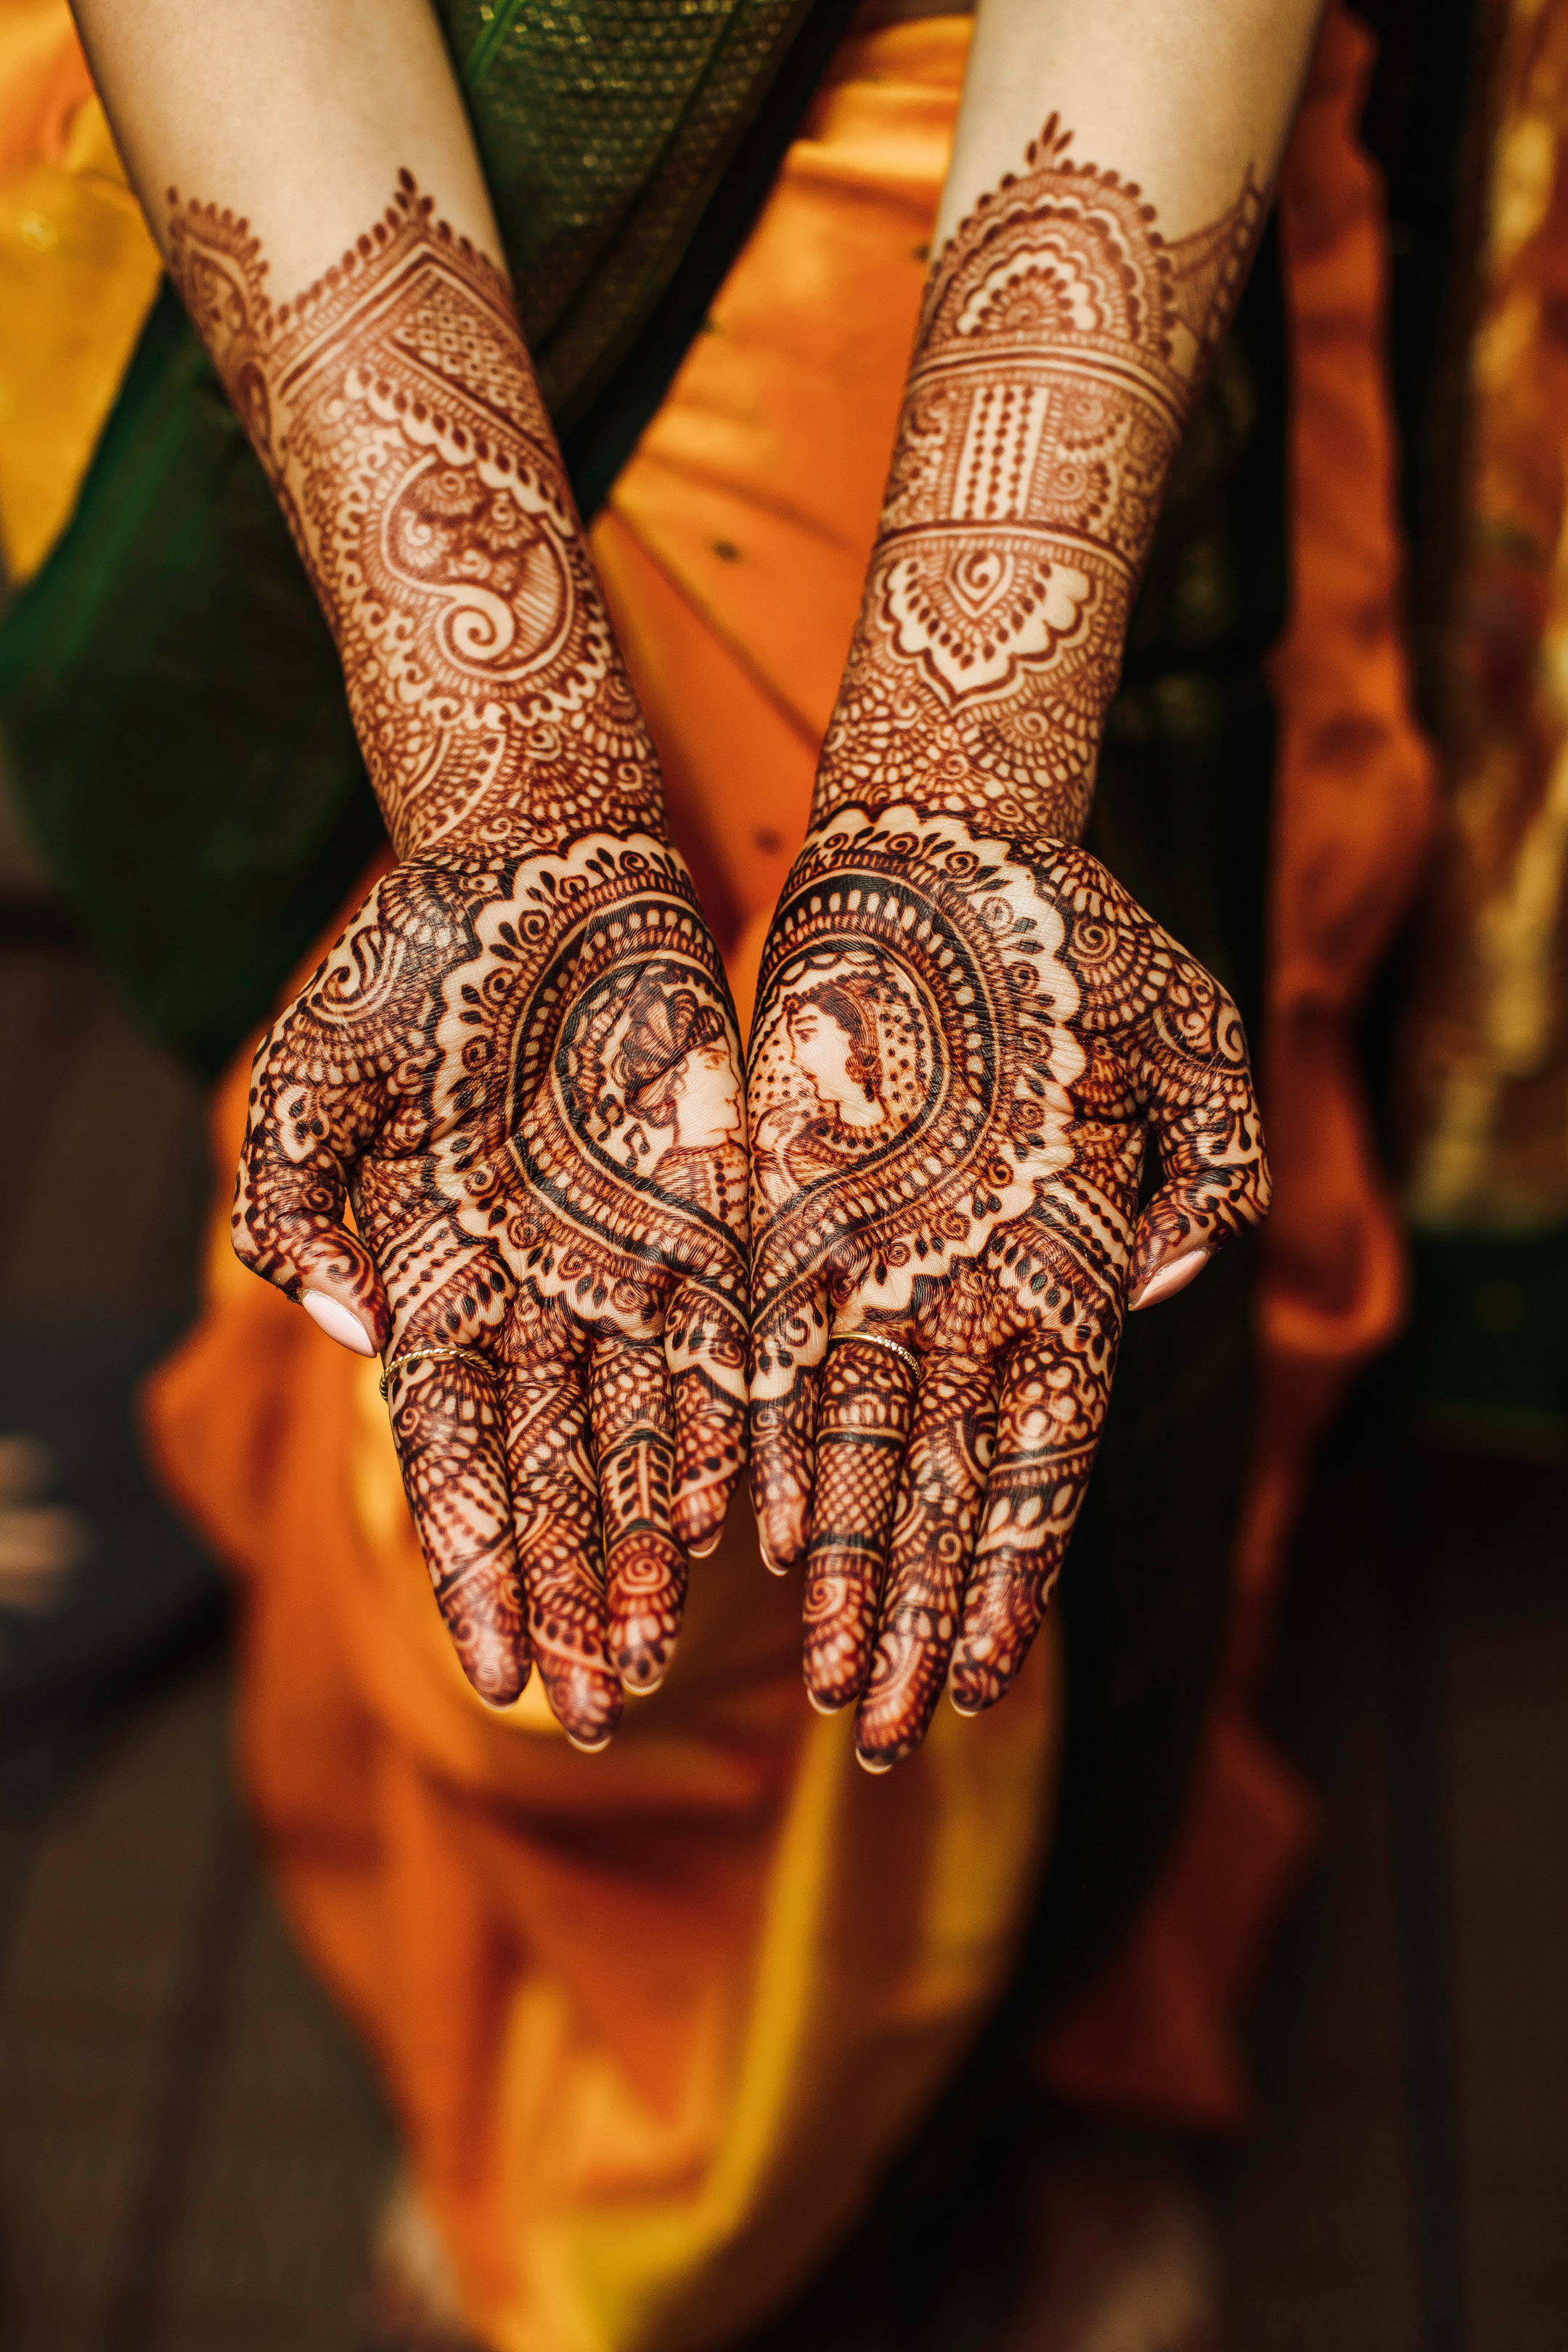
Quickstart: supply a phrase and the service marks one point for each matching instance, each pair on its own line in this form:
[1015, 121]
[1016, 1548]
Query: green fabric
[170, 695]
[176, 715]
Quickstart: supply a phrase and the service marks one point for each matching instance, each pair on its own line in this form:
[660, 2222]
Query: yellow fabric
[78, 274]
[652, 2020]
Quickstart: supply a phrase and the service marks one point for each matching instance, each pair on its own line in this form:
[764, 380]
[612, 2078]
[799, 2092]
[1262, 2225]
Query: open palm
[523, 1072]
[962, 1047]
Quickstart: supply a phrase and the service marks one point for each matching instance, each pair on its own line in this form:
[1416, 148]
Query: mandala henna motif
[962, 1045]
[520, 1063]
[1062, 347]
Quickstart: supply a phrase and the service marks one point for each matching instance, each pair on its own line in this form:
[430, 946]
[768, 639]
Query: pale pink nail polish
[1166, 1280]
[338, 1321]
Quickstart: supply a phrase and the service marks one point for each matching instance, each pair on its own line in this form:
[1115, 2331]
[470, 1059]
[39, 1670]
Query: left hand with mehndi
[962, 1048]
[967, 1033]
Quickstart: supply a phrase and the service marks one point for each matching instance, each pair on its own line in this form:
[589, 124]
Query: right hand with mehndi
[962, 1048]
[523, 1071]
[520, 1063]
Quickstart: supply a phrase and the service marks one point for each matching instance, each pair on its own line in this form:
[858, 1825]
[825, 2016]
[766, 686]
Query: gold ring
[421, 1354]
[879, 1339]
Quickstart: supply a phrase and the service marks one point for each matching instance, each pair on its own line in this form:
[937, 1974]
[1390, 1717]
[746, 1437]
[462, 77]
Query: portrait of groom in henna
[781, 991]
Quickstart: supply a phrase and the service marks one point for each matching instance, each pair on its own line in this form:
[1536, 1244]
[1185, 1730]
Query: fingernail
[701, 1551]
[338, 1321]
[826, 1706]
[769, 1562]
[1167, 1279]
[873, 1763]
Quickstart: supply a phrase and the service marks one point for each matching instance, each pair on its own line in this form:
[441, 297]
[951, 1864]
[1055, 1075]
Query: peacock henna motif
[962, 1045]
[522, 1073]
[396, 411]
[1063, 345]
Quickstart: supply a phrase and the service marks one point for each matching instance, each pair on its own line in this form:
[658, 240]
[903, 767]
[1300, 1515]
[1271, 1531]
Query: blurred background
[193, 2154]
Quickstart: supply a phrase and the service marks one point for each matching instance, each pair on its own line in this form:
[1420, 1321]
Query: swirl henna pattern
[961, 1048]
[1063, 344]
[520, 1063]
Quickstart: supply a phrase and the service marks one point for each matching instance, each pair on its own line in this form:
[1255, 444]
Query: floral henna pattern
[396, 411]
[1062, 348]
[523, 1073]
[962, 1045]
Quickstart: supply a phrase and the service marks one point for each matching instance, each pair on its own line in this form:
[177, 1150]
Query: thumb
[290, 1200]
[1203, 1107]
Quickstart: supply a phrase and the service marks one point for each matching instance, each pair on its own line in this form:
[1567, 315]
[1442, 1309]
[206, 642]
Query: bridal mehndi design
[520, 1062]
[966, 1030]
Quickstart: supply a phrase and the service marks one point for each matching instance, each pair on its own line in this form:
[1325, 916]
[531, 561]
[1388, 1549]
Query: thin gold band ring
[423, 1355]
[879, 1339]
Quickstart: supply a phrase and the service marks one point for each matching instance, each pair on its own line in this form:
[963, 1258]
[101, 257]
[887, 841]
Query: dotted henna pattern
[1063, 345]
[962, 1045]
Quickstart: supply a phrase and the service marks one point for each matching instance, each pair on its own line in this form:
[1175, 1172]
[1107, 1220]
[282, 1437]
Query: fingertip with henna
[1167, 1279]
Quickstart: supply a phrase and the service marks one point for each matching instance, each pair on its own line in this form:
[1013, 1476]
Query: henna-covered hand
[520, 1063]
[523, 1073]
[962, 1048]
[966, 1029]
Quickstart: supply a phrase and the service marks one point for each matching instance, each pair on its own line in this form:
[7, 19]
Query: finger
[705, 1353]
[634, 1442]
[863, 1422]
[1054, 1394]
[555, 1513]
[785, 1375]
[1196, 1082]
[303, 1135]
[447, 1427]
[940, 1497]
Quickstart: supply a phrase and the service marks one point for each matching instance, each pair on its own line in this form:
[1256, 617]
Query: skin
[414, 1172]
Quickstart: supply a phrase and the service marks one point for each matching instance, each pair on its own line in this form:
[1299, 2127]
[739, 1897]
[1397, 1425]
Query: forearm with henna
[395, 408]
[520, 1062]
[1062, 347]
[967, 1031]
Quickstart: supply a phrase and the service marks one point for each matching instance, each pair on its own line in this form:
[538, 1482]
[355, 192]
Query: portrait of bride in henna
[856, 1066]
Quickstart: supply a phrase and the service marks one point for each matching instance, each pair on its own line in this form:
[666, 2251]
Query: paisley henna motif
[962, 1045]
[395, 408]
[1063, 345]
[521, 1072]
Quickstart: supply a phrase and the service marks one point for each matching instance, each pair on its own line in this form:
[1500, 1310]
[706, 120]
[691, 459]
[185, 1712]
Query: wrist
[1023, 763]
